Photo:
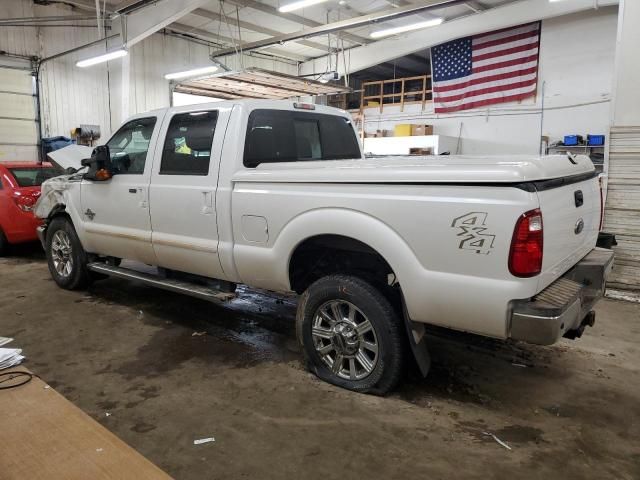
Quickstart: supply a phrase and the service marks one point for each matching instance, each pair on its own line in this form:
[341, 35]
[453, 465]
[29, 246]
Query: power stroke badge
[472, 232]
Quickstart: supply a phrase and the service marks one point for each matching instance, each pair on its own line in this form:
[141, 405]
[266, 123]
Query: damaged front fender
[52, 196]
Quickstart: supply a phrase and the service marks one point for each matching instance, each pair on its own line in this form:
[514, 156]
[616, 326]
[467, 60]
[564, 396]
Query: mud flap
[416, 334]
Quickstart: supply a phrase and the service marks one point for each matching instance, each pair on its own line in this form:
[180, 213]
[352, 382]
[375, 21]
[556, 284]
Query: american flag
[486, 69]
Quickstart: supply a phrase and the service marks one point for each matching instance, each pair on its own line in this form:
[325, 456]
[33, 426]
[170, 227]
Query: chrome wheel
[345, 339]
[61, 253]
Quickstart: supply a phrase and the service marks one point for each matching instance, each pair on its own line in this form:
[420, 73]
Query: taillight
[525, 256]
[24, 202]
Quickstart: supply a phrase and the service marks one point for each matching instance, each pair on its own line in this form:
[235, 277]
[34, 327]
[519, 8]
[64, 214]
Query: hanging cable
[239, 37]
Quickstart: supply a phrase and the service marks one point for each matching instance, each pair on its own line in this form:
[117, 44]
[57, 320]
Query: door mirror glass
[99, 164]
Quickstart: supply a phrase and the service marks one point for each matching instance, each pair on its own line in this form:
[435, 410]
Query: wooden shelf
[423, 92]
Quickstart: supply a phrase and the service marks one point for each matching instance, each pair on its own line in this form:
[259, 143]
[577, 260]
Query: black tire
[4, 244]
[78, 276]
[388, 330]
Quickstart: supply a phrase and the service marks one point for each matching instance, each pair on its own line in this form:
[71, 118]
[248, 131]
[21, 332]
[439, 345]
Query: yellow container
[402, 130]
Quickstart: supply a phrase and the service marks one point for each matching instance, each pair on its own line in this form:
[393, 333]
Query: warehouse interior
[124, 380]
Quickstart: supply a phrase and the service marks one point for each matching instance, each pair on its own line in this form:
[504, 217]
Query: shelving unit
[403, 91]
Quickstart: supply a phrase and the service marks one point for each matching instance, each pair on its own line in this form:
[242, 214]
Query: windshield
[34, 176]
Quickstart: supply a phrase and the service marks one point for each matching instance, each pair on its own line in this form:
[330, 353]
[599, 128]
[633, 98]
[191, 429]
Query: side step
[179, 286]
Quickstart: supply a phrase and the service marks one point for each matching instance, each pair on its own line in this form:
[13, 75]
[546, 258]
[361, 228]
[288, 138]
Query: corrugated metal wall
[622, 211]
[71, 96]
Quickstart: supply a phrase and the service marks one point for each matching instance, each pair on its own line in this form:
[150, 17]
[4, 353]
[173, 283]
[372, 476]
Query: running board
[178, 286]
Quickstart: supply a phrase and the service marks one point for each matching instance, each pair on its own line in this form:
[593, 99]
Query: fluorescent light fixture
[290, 7]
[406, 28]
[101, 58]
[191, 73]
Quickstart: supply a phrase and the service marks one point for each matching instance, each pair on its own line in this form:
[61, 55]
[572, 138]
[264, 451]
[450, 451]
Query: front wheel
[66, 258]
[351, 335]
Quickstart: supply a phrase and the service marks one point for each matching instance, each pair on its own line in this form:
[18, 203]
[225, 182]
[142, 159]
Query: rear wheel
[66, 258]
[351, 335]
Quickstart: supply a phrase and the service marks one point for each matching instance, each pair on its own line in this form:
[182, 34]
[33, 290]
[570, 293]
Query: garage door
[622, 211]
[18, 126]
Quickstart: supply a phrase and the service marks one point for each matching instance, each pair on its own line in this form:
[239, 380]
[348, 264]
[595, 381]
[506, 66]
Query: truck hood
[70, 157]
[424, 169]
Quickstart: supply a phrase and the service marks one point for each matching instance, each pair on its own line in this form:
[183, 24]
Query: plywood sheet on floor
[44, 436]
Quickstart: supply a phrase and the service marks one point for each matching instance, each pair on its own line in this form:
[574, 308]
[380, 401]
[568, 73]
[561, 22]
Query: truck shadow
[25, 252]
[259, 326]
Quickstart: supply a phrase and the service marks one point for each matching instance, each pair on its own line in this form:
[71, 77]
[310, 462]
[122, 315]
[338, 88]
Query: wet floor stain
[107, 405]
[143, 427]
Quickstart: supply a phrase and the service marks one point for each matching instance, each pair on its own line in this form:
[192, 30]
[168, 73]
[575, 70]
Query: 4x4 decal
[472, 228]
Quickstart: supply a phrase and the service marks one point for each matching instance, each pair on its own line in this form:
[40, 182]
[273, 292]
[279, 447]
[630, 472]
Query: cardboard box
[420, 130]
[402, 130]
[421, 151]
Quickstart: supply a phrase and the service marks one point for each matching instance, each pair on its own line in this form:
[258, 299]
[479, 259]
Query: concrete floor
[572, 411]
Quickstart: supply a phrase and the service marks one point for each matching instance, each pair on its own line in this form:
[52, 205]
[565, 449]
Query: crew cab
[277, 195]
[19, 190]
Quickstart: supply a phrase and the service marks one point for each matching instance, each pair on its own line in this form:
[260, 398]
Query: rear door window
[33, 177]
[289, 136]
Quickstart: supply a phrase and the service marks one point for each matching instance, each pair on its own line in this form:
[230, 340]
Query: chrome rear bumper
[564, 307]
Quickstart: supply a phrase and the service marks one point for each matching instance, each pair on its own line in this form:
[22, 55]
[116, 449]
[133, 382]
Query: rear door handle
[207, 206]
[133, 190]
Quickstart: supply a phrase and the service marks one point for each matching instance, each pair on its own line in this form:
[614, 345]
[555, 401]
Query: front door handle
[133, 190]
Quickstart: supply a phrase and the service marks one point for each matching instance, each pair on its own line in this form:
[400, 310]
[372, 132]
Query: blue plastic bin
[572, 140]
[595, 140]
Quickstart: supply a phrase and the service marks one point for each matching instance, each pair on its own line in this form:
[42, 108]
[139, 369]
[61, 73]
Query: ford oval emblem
[579, 227]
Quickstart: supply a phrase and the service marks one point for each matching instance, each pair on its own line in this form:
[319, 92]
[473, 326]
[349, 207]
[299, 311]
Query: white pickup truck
[277, 195]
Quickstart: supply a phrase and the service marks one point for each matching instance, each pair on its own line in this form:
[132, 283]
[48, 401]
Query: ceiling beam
[217, 39]
[155, 16]
[504, 16]
[201, 12]
[346, 24]
[307, 22]
[188, 30]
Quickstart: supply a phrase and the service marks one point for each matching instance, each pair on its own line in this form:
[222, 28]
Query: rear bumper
[21, 227]
[564, 307]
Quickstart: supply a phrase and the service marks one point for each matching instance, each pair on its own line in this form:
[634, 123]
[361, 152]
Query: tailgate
[571, 218]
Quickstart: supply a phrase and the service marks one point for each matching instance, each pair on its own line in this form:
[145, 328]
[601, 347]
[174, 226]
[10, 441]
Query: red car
[19, 190]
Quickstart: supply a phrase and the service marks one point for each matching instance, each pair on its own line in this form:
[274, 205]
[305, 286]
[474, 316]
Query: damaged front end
[52, 200]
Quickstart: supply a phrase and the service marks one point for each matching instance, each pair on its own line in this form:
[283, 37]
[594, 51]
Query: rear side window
[33, 177]
[187, 147]
[287, 136]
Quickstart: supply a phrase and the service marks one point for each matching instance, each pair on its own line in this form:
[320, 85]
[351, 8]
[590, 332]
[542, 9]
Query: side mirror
[99, 164]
